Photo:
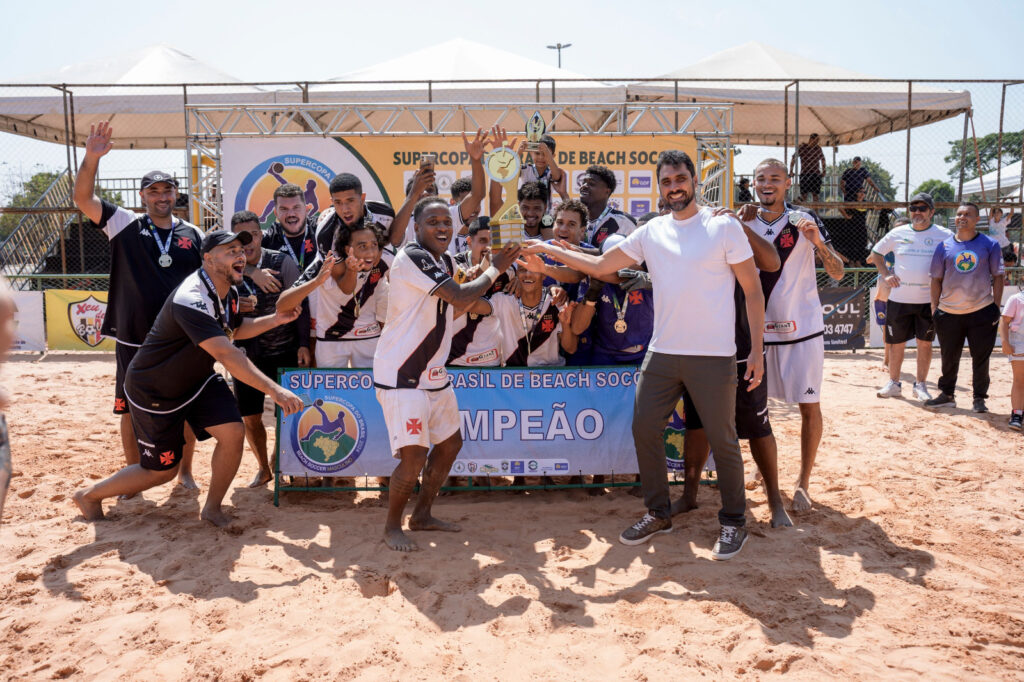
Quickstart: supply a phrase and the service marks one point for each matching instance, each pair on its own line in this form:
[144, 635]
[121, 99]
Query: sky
[314, 39]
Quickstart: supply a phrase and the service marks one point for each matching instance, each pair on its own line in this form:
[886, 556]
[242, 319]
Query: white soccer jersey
[417, 336]
[793, 310]
[338, 316]
[529, 335]
[476, 341]
[913, 250]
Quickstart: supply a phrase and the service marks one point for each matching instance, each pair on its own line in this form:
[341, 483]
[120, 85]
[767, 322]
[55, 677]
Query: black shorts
[751, 409]
[250, 400]
[162, 436]
[810, 183]
[123, 355]
[905, 321]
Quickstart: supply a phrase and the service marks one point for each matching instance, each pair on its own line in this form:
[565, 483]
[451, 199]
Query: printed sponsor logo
[639, 207]
[966, 261]
[437, 373]
[370, 330]
[641, 181]
[780, 327]
[480, 358]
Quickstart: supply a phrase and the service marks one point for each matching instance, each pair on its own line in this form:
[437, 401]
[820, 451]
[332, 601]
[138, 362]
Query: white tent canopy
[840, 112]
[150, 115]
[1009, 181]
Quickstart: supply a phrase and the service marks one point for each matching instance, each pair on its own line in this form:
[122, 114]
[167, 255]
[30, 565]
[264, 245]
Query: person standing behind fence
[908, 312]
[997, 225]
[966, 290]
[853, 178]
[794, 325]
[812, 168]
[150, 255]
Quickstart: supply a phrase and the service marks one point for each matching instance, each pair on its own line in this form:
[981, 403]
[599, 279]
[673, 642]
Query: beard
[679, 204]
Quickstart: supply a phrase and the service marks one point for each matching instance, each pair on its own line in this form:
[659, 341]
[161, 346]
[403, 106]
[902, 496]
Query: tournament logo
[329, 435]
[256, 192]
[966, 261]
[639, 207]
[86, 318]
[673, 437]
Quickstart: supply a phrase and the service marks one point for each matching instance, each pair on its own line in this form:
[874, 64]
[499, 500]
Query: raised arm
[422, 180]
[475, 149]
[96, 146]
[291, 298]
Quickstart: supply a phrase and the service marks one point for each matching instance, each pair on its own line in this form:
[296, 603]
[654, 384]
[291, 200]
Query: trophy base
[506, 233]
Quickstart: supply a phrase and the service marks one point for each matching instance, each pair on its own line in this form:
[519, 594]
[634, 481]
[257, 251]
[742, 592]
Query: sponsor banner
[538, 421]
[253, 168]
[845, 317]
[74, 318]
[31, 332]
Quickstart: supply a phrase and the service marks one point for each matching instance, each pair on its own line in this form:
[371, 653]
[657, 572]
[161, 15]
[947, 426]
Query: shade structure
[842, 106]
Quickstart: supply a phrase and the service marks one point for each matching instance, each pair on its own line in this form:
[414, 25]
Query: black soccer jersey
[327, 224]
[301, 248]
[138, 284]
[170, 368]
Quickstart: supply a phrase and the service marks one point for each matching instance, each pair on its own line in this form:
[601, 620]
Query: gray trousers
[711, 383]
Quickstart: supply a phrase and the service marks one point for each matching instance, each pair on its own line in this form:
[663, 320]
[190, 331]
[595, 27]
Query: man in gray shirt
[966, 289]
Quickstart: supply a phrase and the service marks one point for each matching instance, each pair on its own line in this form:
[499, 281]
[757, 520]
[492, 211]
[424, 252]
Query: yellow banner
[394, 160]
[74, 318]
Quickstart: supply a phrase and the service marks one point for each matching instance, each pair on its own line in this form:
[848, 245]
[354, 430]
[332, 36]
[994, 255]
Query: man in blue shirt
[966, 289]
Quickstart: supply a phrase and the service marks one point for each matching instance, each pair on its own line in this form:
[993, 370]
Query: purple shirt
[966, 269]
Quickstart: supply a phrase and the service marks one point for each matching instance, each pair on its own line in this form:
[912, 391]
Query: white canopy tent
[840, 112]
[1009, 182]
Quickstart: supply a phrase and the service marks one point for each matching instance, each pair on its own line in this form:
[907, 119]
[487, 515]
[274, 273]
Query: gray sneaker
[644, 529]
[921, 391]
[893, 389]
[730, 541]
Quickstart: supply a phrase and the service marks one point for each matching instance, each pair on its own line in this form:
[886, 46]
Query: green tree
[29, 194]
[988, 153]
[940, 191]
[882, 177]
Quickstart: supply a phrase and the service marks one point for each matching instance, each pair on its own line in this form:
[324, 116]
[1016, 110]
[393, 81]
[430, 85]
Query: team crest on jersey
[329, 435]
[256, 191]
[966, 261]
[86, 317]
[184, 243]
[787, 239]
[547, 324]
[787, 327]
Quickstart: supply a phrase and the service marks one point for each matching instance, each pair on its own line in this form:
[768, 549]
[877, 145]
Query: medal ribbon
[164, 247]
[223, 313]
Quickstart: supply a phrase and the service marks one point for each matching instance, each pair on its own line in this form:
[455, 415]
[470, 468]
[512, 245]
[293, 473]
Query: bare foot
[430, 523]
[262, 478]
[597, 492]
[216, 517]
[92, 511]
[780, 519]
[186, 481]
[682, 505]
[801, 500]
[399, 541]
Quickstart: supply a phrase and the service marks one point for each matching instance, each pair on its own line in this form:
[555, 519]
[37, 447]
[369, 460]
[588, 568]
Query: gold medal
[620, 326]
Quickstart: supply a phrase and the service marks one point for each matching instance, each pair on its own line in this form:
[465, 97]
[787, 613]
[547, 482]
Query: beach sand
[908, 566]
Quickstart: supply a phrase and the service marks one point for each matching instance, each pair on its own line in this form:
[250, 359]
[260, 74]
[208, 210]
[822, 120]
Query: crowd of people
[409, 292]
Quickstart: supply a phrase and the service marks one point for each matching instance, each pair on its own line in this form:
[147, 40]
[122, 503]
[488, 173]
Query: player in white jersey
[794, 325]
[413, 388]
[347, 309]
[476, 336]
[532, 326]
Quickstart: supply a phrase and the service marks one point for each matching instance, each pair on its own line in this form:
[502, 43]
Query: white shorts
[418, 417]
[343, 354]
[1016, 339]
[795, 370]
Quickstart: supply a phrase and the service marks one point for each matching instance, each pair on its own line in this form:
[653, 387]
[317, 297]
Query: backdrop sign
[551, 421]
[845, 320]
[252, 168]
[74, 318]
[31, 332]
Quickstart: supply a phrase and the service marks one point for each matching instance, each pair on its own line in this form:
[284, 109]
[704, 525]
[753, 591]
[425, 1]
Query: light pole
[559, 47]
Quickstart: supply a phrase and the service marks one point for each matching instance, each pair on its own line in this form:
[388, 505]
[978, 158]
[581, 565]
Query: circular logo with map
[674, 434]
[256, 192]
[966, 261]
[329, 435]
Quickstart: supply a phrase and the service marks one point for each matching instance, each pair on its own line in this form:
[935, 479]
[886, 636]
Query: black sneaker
[1017, 422]
[730, 541]
[644, 529]
[941, 400]
[979, 406]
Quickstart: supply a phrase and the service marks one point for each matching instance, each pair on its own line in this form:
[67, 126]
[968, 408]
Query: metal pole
[906, 177]
[999, 145]
[67, 150]
[796, 132]
[677, 106]
[977, 159]
[194, 183]
[963, 158]
[785, 126]
[430, 98]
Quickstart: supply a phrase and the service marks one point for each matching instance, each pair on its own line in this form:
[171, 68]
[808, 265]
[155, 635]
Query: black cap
[856, 158]
[216, 238]
[925, 197]
[153, 177]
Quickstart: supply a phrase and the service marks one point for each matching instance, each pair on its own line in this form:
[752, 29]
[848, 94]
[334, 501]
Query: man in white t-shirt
[908, 312]
[413, 388]
[694, 259]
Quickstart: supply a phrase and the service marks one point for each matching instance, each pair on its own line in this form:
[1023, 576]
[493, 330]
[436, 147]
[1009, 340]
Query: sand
[908, 566]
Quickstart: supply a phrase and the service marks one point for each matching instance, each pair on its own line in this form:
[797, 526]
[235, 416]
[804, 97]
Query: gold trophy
[535, 128]
[503, 166]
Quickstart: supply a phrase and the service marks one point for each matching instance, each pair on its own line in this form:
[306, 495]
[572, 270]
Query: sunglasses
[919, 208]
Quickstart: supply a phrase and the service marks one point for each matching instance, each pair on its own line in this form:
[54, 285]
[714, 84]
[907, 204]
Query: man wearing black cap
[150, 254]
[171, 380]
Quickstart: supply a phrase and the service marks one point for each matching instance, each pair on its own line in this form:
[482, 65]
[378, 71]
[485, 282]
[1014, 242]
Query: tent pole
[785, 125]
[999, 145]
[796, 132]
[74, 160]
[67, 150]
[676, 99]
[963, 154]
[906, 177]
[977, 159]
[193, 181]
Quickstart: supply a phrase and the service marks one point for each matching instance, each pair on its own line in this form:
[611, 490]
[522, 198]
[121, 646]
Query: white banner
[31, 334]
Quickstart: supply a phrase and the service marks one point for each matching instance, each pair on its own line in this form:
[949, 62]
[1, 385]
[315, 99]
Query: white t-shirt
[417, 336]
[997, 230]
[690, 265]
[529, 335]
[913, 250]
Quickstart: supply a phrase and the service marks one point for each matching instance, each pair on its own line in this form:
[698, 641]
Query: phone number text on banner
[536, 421]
